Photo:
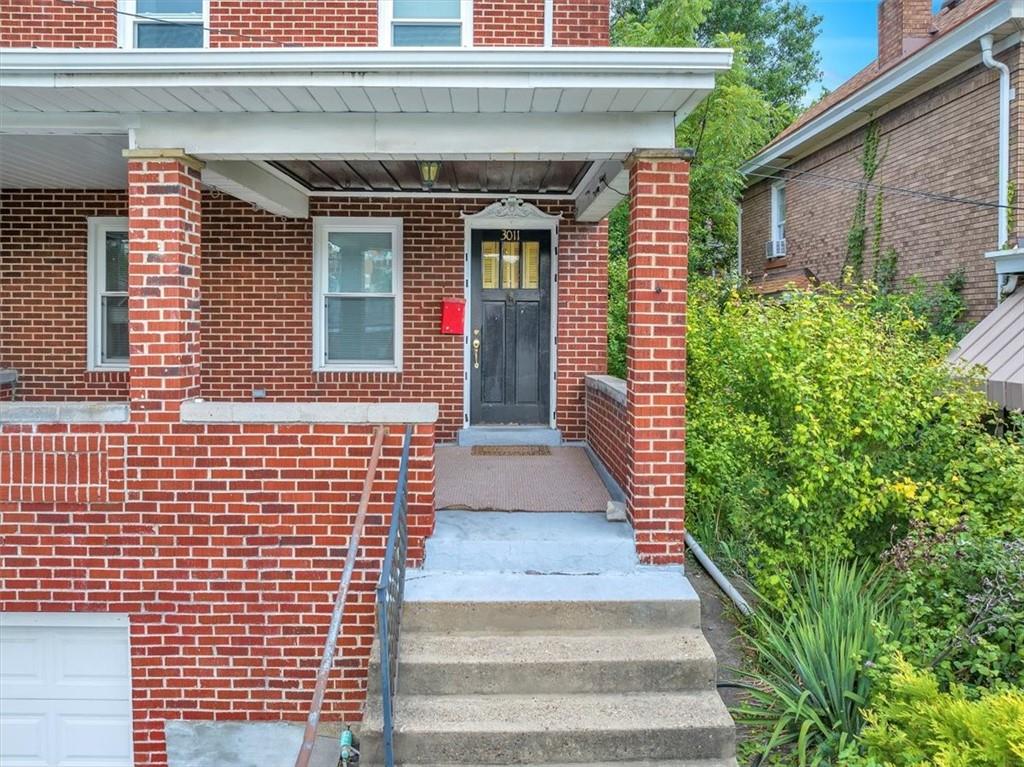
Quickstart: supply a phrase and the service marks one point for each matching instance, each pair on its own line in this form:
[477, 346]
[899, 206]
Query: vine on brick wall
[856, 238]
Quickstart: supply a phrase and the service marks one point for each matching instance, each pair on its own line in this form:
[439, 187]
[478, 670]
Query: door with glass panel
[510, 327]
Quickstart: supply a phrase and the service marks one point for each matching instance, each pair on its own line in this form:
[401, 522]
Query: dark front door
[510, 330]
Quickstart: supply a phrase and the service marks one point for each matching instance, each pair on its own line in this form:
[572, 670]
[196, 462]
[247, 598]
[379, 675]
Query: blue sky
[847, 42]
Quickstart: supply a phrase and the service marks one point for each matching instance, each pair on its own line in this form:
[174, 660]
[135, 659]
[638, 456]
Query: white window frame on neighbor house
[778, 213]
[129, 19]
[386, 21]
[323, 227]
[97, 280]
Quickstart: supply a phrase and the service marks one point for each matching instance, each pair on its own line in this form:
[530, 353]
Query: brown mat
[564, 480]
[511, 450]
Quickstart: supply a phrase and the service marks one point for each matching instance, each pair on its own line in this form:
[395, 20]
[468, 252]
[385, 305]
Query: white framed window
[357, 294]
[425, 23]
[107, 325]
[778, 222]
[163, 23]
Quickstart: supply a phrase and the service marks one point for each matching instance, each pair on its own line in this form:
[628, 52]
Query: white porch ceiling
[63, 162]
[240, 106]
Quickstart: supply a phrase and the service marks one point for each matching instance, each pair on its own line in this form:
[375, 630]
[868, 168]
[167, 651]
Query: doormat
[511, 450]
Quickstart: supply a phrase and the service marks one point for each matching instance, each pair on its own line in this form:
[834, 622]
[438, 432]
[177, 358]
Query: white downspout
[549, 23]
[1005, 97]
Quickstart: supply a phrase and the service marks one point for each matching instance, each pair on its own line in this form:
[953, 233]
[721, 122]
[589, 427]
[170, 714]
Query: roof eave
[862, 100]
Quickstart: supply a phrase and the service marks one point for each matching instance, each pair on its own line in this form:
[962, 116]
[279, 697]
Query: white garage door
[65, 690]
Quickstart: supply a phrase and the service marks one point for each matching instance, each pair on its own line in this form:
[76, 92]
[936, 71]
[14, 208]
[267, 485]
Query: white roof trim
[862, 100]
[484, 61]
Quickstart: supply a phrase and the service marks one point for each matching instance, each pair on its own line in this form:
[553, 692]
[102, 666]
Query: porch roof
[246, 108]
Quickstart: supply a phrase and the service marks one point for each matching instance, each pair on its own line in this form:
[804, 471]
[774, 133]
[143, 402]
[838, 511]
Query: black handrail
[390, 590]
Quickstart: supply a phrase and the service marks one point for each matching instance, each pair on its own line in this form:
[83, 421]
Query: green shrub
[811, 678]
[962, 593]
[911, 723]
[818, 425]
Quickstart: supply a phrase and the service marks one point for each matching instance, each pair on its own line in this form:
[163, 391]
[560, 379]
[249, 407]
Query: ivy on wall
[856, 238]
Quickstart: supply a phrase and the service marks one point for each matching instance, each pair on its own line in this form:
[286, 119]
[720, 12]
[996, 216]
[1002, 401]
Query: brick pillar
[656, 351]
[163, 281]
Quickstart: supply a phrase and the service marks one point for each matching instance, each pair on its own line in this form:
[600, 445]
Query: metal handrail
[390, 591]
[331, 643]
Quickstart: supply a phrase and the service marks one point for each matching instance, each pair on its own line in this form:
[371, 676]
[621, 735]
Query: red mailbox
[453, 316]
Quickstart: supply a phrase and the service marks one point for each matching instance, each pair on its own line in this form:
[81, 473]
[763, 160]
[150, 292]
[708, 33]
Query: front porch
[241, 294]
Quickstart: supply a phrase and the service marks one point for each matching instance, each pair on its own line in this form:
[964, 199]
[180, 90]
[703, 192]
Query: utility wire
[157, 20]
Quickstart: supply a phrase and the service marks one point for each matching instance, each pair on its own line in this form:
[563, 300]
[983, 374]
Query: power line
[156, 20]
[827, 179]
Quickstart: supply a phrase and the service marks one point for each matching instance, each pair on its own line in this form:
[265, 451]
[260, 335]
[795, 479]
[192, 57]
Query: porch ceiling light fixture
[428, 172]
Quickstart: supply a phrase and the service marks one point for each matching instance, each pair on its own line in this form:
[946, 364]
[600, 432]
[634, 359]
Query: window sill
[108, 369]
[357, 369]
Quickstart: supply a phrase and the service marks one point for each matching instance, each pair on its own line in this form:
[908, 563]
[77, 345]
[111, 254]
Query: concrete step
[534, 542]
[573, 729]
[446, 663]
[648, 598]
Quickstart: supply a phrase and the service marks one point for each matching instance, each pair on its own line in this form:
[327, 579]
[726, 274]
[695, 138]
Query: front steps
[556, 664]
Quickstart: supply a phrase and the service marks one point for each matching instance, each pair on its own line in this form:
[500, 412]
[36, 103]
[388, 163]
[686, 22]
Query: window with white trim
[163, 23]
[357, 294]
[108, 294]
[779, 211]
[425, 23]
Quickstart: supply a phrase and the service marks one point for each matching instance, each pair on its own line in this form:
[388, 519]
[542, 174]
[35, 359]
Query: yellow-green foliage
[818, 425]
[911, 723]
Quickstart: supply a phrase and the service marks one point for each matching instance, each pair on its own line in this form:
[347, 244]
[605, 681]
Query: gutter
[1006, 95]
[361, 61]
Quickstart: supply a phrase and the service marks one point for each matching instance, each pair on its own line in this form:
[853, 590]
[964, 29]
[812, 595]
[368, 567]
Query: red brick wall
[226, 556]
[581, 23]
[276, 23]
[256, 310]
[57, 24]
[43, 259]
[508, 22]
[656, 354]
[918, 139]
[607, 433]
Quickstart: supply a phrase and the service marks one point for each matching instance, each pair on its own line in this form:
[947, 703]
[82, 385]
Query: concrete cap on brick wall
[202, 411]
[609, 385]
[659, 154]
[63, 412]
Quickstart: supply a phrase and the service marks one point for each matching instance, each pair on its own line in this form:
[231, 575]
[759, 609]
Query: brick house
[231, 230]
[945, 163]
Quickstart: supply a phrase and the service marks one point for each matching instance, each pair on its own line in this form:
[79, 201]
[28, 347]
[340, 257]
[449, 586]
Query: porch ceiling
[555, 121]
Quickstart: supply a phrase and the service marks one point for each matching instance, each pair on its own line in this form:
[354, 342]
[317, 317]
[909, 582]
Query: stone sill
[63, 412]
[610, 386]
[202, 411]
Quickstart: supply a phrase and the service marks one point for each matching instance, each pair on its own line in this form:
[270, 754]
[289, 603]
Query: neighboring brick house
[936, 108]
[224, 262]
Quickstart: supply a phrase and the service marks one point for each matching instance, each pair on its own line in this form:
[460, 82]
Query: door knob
[476, 353]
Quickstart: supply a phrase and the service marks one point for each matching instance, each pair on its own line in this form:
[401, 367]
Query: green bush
[811, 677]
[912, 723]
[962, 593]
[818, 425]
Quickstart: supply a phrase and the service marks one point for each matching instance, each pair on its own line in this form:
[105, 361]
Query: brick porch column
[656, 351]
[164, 208]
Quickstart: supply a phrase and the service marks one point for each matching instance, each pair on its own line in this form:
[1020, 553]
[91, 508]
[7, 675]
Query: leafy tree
[779, 37]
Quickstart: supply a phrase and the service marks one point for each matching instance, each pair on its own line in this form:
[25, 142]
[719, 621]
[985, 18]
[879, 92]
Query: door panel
[510, 326]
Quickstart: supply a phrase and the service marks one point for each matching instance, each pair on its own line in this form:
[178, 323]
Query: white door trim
[504, 214]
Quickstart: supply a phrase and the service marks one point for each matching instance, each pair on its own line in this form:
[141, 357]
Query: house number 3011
[510, 235]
